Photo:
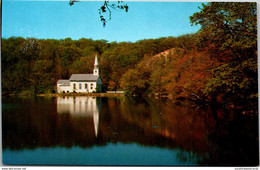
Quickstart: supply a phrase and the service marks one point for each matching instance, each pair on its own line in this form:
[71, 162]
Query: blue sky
[58, 20]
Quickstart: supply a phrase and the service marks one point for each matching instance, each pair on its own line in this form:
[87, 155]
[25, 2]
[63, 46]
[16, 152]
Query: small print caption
[13, 168]
[246, 168]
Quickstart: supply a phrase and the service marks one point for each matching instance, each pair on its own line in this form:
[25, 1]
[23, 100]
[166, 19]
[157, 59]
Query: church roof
[83, 77]
[63, 82]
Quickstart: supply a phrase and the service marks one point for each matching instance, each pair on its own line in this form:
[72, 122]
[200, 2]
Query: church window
[79, 86]
[86, 86]
[74, 86]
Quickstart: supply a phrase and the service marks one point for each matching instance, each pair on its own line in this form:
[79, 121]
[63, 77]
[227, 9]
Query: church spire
[96, 62]
[96, 69]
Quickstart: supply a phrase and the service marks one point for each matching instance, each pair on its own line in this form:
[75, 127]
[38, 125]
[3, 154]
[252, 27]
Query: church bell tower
[96, 69]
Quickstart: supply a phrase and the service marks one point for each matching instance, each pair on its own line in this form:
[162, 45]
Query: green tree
[134, 82]
[11, 64]
[157, 84]
[83, 65]
[229, 33]
[41, 77]
[229, 29]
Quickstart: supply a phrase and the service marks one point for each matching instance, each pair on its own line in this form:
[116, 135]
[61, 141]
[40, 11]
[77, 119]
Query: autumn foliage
[218, 63]
[173, 73]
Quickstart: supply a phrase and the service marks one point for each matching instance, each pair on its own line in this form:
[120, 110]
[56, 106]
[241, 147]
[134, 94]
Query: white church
[81, 83]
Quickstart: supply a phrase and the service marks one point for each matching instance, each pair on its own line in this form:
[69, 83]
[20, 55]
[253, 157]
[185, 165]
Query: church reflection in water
[81, 107]
[191, 136]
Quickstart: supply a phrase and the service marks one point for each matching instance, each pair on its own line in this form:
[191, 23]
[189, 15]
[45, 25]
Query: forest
[216, 64]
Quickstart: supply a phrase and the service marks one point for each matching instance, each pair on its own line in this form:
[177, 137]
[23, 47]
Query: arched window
[79, 86]
[74, 86]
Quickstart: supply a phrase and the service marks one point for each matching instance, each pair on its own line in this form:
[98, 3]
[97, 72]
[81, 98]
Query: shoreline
[73, 94]
[86, 94]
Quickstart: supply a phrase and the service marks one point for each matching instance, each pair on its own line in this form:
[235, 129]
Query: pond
[88, 130]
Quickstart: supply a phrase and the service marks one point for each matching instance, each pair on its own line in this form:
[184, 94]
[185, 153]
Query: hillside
[42, 62]
[173, 73]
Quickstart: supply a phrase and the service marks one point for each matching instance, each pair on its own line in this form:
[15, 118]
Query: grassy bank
[71, 94]
[90, 94]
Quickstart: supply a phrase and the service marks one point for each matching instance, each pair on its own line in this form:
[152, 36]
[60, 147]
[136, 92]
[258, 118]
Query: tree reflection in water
[197, 135]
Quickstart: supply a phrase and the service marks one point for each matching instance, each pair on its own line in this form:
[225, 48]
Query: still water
[124, 131]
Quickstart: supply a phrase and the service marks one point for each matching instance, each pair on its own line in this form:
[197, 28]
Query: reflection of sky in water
[122, 131]
[129, 134]
[110, 154]
[82, 109]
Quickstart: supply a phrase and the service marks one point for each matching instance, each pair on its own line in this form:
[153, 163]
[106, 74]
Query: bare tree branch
[106, 7]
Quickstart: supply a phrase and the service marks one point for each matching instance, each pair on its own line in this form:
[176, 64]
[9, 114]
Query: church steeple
[96, 69]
